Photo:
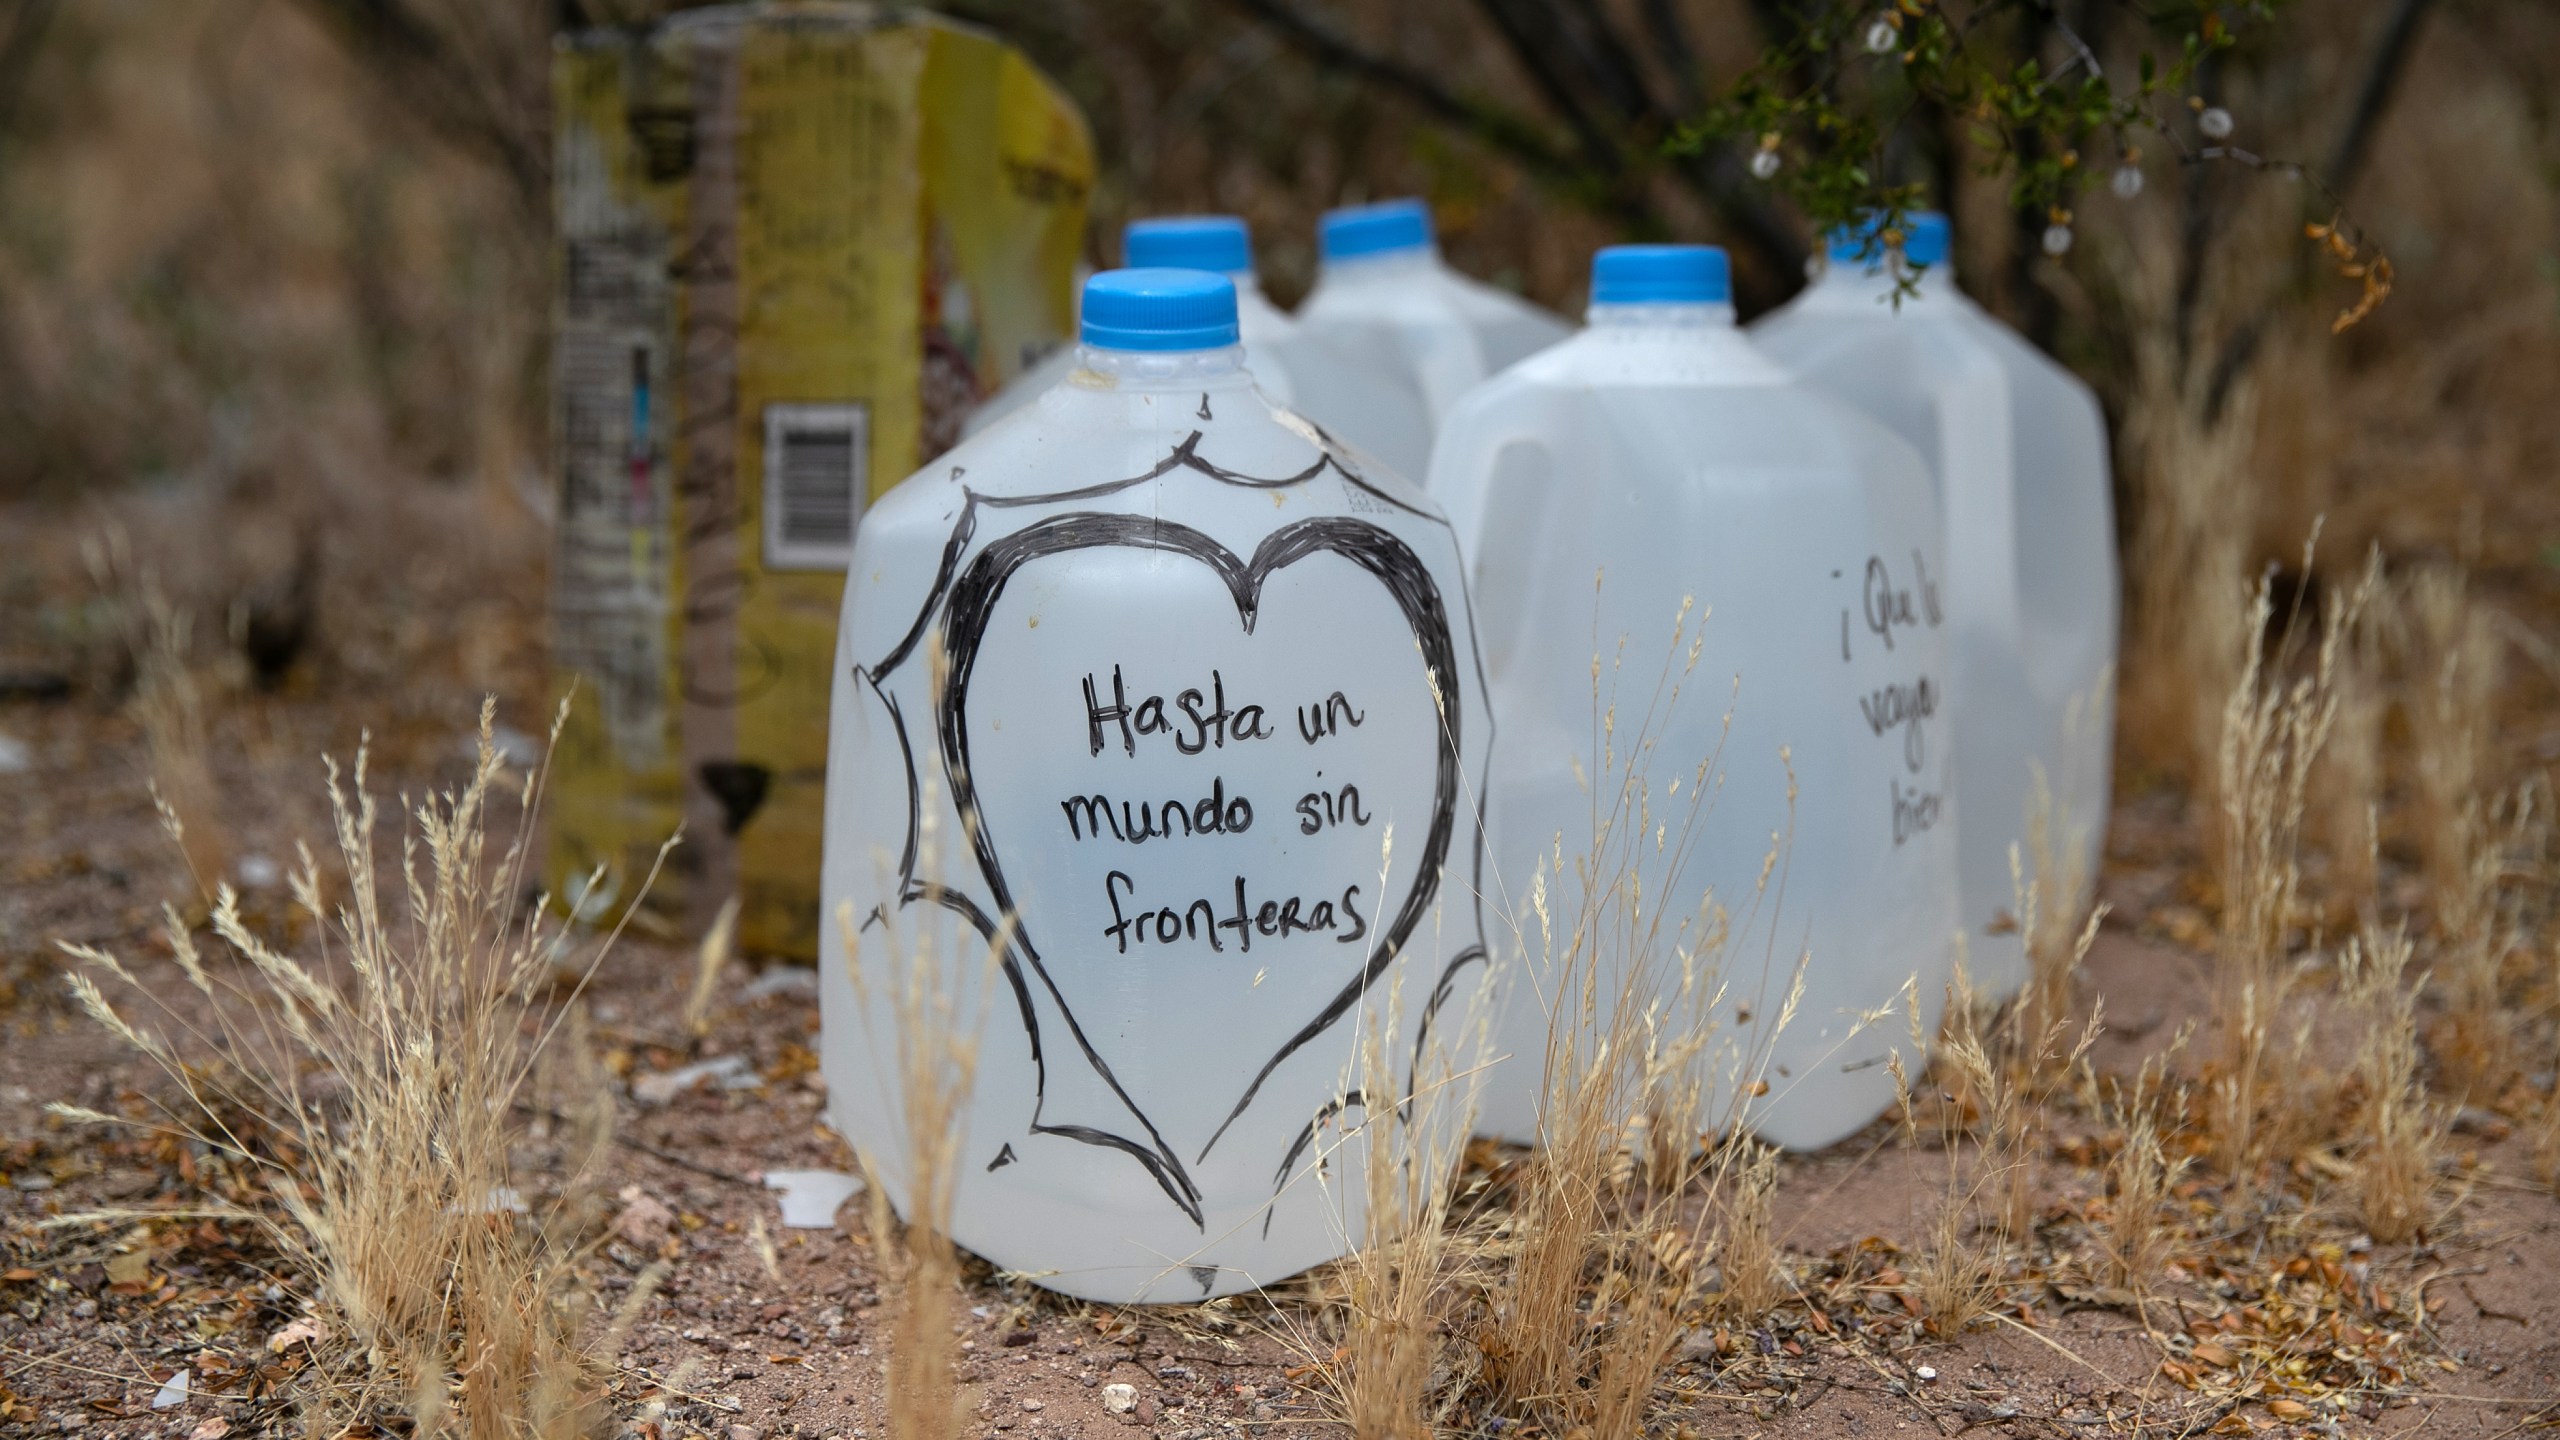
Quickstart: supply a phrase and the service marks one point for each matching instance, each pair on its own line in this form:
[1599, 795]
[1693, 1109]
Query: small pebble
[1119, 1399]
[1033, 1406]
[1925, 1372]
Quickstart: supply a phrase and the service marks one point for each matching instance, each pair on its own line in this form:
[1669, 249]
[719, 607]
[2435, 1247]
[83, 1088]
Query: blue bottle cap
[1926, 238]
[1216, 243]
[1159, 310]
[1661, 275]
[1389, 225]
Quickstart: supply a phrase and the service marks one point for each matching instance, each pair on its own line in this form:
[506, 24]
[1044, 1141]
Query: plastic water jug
[1131, 691]
[1384, 292]
[2019, 452]
[1374, 406]
[1796, 543]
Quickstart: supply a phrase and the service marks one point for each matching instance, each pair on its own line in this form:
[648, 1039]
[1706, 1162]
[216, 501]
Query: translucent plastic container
[1134, 688]
[2019, 451]
[1373, 405]
[1662, 453]
[1385, 293]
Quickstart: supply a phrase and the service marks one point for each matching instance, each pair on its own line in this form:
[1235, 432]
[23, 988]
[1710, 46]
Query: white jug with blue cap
[1157, 733]
[1384, 292]
[2019, 451]
[1711, 604]
[1372, 406]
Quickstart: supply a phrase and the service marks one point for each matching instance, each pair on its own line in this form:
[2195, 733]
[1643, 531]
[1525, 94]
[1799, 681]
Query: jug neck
[1860, 280]
[1684, 316]
[1383, 264]
[1143, 371]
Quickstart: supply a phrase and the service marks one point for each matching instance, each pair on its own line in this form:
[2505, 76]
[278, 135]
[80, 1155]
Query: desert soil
[775, 1331]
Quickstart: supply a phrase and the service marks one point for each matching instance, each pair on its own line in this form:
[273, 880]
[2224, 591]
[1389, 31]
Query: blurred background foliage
[265, 262]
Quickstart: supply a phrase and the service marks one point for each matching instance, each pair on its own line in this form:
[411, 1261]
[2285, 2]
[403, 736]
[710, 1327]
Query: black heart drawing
[1375, 550]
[964, 598]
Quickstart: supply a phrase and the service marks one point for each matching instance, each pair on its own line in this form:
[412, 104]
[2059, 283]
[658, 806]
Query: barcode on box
[816, 462]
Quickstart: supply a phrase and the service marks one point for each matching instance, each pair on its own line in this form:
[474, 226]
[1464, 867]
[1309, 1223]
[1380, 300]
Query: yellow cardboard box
[796, 242]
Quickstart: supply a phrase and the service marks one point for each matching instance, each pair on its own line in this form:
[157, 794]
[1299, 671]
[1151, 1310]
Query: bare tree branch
[19, 43]
[1542, 35]
[1588, 74]
[2383, 68]
[1611, 63]
[1528, 29]
[2038, 315]
[1670, 37]
[2201, 217]
[1509, 133]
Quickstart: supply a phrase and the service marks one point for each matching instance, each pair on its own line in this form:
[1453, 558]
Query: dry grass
[1555, 1289]
[2057, 924]
[2273, 731]
[2546, 1130]
[936, 1060]
[2397, 1131]
[1747, 1255]
[1955, 1274]
[1557, 1292]
[381, 1088]
[1382, 1342]
[935, 1004]
[2048, 907]
[1608, 1243]
[709, 960]
[1396, 1289]
[2348, 784]
[1424, 1314]
[2480, 927]
[2453, 657]
[2476, 842]
[2189, 533]
[1992, 1081]
[158, 638]
[2137, 1240]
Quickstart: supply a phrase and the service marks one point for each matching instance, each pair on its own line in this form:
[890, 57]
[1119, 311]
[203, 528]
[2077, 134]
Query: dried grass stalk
[159, 640]
[1747, 1253]
[935, 1005]
[382, 1088]
[2273, 730]
[2475, 843]
[2455, 664]
[1396, 1295]
[2348, 784]
[2397, 1132]
[1606, 1248]
[2136, 1241]
[1994, 1083]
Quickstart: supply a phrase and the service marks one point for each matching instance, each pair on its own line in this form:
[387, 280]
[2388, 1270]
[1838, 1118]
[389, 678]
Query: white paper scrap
[810, 1197]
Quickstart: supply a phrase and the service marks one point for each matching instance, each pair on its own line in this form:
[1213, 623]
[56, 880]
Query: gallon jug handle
[1981, 483]
[1466, 461]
